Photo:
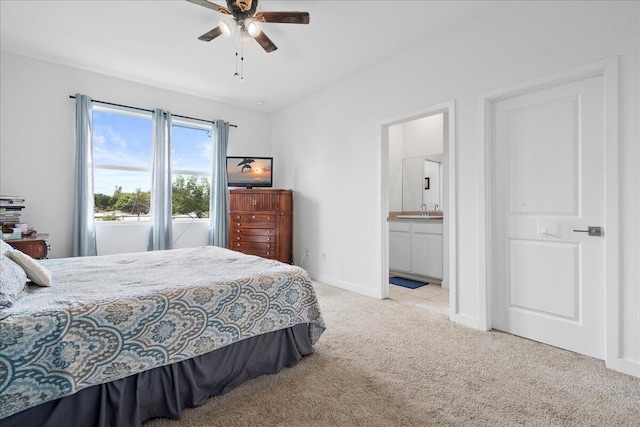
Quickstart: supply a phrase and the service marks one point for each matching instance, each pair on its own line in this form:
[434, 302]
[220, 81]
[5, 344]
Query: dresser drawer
[34, 247]
[255, 238]
[264, 253]
[253, 224]
[235, 231]
[265, 250]
[248, 217]
[241, 246]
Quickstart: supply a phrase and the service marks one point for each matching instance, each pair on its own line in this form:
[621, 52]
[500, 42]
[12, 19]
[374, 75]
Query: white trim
[626, 366]
[122, 167]
[384, 213]
[608, 68]
[469, 321]
[449, 226]
[121, 109]
[358, 289]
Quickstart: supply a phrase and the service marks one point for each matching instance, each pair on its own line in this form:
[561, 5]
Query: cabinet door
[399, 246]
[427, 255]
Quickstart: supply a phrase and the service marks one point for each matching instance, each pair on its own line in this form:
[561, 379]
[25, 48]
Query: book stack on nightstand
[10, 210]
[24, 239]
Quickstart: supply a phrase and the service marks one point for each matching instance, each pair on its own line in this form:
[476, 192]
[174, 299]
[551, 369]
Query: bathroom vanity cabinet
[415, 247]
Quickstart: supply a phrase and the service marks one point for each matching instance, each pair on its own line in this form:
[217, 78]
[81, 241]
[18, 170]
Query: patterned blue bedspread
[108, 317]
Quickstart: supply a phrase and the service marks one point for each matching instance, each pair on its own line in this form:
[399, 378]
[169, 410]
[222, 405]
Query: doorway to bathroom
[418, 209]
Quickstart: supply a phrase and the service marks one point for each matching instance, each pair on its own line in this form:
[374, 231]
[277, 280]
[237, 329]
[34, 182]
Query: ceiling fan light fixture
[252, 26]
[227, 27]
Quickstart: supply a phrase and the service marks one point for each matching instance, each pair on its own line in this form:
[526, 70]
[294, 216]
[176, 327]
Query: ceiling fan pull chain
[242, 55]
[236, 73]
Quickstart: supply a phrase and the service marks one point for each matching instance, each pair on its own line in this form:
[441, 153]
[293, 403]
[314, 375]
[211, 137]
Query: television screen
[250, 171]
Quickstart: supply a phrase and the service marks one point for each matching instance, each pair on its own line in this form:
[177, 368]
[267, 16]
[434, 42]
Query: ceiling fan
[247, 20]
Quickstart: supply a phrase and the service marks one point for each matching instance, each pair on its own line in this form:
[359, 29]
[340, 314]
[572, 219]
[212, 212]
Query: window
[122, 149]
[190, 169]
[121, 164]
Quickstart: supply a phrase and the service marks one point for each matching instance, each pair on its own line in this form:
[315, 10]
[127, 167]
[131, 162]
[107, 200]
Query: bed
[119, 339]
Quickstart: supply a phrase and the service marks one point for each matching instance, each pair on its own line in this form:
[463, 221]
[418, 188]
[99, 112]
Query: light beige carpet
[381, 363]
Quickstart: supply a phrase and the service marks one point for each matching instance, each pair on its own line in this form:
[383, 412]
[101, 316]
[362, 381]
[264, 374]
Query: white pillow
[35, 272]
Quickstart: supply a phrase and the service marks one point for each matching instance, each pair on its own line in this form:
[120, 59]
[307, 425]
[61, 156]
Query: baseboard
[626, 366]
[471, 322]
[361, 290]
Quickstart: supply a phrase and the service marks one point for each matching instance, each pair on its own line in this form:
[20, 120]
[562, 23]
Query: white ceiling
[155, 42]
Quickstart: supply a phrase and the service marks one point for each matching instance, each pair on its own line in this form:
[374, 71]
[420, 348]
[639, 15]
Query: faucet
[435, 207]
[423, 209]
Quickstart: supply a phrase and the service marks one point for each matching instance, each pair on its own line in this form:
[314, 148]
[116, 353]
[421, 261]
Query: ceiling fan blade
[283, 17]
[265, 42]
[207, 37]
[210, 5]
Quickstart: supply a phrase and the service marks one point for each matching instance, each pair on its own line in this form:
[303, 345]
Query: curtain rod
[149, 111]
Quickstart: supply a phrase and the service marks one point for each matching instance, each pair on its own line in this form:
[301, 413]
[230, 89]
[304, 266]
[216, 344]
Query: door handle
[592, 231]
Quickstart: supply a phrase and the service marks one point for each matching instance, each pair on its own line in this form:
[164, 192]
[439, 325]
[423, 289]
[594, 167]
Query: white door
[547, 180]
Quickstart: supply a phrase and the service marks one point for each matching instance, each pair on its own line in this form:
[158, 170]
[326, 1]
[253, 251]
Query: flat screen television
[250, 172]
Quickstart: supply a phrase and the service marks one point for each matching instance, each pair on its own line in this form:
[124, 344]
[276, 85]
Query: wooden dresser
[35, 246]
[261, 223]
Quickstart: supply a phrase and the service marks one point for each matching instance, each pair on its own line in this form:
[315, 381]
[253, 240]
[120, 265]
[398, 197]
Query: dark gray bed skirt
[166, 390]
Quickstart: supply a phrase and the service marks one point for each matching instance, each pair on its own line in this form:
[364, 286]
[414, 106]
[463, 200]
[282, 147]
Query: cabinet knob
[238, 245]
[238, 224]
[253, 202]
[253, 217]
[268, 231]
[268, 253]
[268, 217]
[268, 246]
[268, 238]
[238, 237]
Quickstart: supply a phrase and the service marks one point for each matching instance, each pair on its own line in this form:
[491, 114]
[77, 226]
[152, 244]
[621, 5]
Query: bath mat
[407, 283]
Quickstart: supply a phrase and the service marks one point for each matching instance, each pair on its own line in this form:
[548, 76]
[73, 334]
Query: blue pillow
[4, 247]
[12, 281]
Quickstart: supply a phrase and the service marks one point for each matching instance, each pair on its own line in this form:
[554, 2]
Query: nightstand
[34, 246]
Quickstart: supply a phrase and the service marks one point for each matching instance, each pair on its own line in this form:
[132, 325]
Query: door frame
[449, 198]
[608, 68]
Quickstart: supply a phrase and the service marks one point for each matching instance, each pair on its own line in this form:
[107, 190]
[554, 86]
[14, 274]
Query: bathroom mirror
[421, 183]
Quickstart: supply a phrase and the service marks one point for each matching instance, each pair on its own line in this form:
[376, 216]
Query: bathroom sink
[418, 217]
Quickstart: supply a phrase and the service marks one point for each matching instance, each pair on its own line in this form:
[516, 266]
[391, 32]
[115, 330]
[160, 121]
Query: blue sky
[125, 140]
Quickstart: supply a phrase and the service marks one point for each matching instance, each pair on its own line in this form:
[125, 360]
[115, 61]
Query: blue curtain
[219, 202]
[84, 231]
[161, 220]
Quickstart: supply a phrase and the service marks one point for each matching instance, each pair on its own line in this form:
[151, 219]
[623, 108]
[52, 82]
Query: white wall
[336, 135]
[37, 142]
[423, 137]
